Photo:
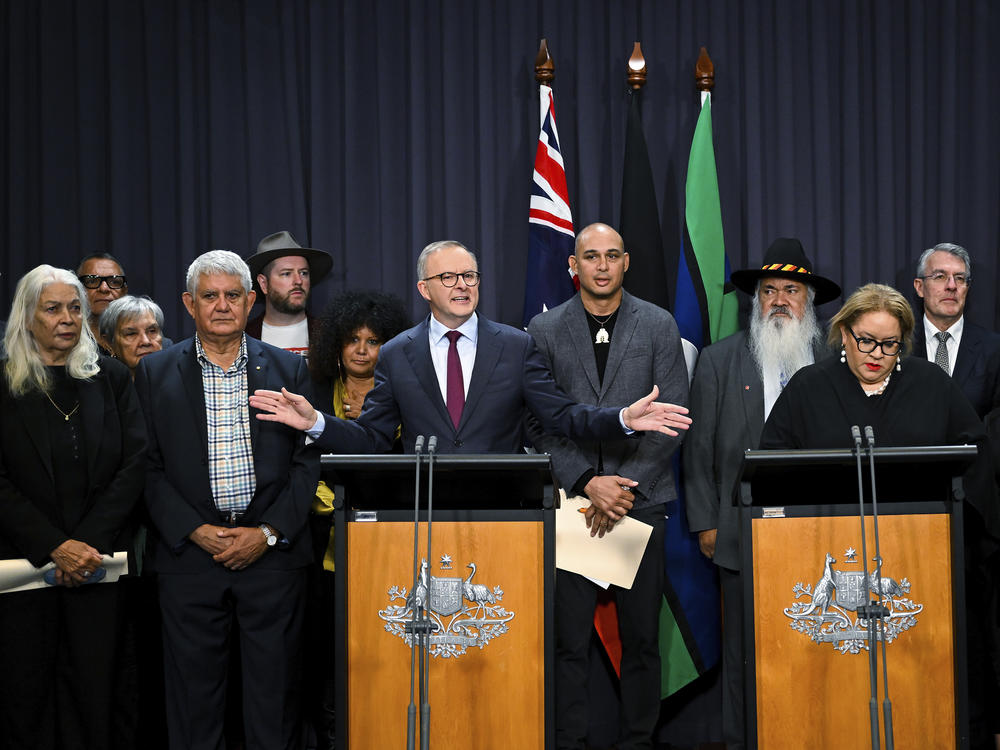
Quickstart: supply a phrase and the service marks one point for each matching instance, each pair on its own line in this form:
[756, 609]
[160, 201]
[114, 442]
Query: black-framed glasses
[449, 279]
[940, 277]
[91, 281]
[889, 347]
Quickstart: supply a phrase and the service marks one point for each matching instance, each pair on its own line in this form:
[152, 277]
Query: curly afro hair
[383, 313]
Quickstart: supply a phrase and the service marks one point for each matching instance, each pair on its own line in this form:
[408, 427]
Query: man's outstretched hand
[648, 414]
[285, 407]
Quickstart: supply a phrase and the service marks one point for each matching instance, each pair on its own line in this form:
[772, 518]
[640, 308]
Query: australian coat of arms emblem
[829, 615]
[463, 614]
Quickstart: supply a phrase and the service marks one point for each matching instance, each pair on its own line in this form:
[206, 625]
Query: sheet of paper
[613, 559]
[21, 575]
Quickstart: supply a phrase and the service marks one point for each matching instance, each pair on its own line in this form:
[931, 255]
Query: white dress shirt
[951, 344]
[466, 351]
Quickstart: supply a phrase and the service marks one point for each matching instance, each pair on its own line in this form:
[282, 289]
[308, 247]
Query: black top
[920, 406]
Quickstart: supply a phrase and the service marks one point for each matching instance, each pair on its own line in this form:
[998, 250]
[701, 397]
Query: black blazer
[178, 491]
[977, 366]
[31, 520]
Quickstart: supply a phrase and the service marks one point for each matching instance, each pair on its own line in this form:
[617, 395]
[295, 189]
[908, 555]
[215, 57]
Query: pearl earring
[899, 367]
[843, 354]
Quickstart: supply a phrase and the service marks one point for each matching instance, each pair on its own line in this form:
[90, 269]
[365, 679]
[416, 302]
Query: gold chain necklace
[65, 415]
[602, 336]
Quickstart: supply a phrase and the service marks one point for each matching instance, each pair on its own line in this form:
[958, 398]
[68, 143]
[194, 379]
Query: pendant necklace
[602, 336]
[65, 415]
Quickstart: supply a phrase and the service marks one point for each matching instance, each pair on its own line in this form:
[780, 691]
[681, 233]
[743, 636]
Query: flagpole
[545, 66]
[704, 75]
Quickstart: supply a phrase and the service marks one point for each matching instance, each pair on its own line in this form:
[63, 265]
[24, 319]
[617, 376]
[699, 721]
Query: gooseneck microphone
[411, 711]
[425, 657]
[880, 612]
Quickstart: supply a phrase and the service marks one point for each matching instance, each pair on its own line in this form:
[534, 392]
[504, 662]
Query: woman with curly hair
[352, 329]
[342, 358]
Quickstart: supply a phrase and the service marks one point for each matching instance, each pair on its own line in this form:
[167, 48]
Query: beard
[781, 345]
[283, 303]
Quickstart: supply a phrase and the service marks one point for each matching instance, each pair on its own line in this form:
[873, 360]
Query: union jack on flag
[550, 221]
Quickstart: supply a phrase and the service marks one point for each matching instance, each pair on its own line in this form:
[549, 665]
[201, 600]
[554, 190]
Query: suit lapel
[578, 332]
[488, 351]
[418, 354]
[38, 431]
[752, 390]
[625, 326]
[968, 353]
[919, 342]
[258, 369]
[190, 372]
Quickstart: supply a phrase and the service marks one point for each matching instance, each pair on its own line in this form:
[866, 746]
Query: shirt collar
[239, 363]
[469, 329]
[955, 330]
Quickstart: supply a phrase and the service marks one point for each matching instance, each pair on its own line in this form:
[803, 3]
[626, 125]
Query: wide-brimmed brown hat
[280, 244]
[786, 259]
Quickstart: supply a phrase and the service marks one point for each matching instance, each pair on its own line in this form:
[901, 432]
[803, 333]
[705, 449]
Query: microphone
[418, 447]
[432, 443]
[870, 435]
[856, 434]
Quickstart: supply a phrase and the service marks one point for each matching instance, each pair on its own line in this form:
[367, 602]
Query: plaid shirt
[227, 409]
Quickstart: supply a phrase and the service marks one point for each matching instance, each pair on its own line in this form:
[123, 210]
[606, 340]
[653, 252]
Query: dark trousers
[57, 651]
[638, 622]
[198, 610]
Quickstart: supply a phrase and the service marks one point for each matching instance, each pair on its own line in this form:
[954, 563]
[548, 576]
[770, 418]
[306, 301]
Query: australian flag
[550, 221]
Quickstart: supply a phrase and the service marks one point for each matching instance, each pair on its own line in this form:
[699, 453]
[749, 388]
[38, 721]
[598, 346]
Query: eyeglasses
[940, 277]
[449, 279]
[890, 347]
[94, 282]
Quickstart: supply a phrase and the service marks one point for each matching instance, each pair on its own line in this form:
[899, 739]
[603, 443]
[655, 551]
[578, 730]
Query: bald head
[600, 234]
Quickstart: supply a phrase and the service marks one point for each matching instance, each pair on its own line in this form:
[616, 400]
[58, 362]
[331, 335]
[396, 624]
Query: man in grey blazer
[736, 382]
[605, 347]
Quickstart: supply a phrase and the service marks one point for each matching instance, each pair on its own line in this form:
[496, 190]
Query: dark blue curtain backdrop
[156, 129]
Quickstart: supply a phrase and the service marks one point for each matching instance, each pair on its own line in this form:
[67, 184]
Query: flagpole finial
[545, 67]
[704, 72]
[637, 68]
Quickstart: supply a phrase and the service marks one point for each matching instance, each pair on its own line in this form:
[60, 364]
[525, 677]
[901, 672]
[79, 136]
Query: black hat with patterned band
[786, 259]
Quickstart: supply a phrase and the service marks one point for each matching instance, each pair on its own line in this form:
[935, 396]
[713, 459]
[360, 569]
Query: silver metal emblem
[825, 617]
[463, 614]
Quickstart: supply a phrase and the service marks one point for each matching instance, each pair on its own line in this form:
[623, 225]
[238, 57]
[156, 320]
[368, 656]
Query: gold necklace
[602, 336]
[65, 415]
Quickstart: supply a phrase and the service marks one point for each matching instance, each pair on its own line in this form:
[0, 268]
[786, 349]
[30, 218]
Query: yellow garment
[323, 502]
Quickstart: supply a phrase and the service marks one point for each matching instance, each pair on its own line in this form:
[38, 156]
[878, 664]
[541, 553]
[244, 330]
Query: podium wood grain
[486, 698]
[809, 695]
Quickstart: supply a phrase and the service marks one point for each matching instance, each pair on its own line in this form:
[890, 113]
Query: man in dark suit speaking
[462, 378]
[229, 496]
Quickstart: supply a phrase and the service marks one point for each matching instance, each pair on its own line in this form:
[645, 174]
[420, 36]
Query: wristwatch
[268, 534]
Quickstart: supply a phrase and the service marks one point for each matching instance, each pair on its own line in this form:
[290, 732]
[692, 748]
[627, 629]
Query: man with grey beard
[736, 382]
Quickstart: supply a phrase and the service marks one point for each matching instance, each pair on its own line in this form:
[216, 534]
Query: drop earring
[899, 366]
[843, 354]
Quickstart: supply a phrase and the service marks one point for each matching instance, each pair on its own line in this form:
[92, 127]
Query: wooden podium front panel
[486, 698]
[810, 695]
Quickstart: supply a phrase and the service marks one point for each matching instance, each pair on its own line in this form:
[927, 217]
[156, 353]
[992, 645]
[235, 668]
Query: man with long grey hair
[736, 382]
[230, 497]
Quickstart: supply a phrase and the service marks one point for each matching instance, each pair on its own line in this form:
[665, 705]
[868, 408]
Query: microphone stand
[425, 654]
[864, 609]
[412, 627]
[881, 611]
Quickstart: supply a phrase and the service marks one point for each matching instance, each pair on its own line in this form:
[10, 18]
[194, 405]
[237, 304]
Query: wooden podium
[807, 669]
[492, 574]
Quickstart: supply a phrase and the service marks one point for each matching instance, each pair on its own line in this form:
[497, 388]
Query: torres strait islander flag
[550, 221]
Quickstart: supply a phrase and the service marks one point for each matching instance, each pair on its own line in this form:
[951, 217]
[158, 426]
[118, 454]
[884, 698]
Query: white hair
[218, 262]
[783, 346]
[433, 248]
[24, 367]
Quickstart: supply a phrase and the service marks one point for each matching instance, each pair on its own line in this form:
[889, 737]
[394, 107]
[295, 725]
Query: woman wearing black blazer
[72, 454]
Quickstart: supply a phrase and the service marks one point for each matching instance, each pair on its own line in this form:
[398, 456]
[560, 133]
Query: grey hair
[945, 247]
[218, 262]
[433, 248]
[124, 309]
[24, 367]
[98, 256]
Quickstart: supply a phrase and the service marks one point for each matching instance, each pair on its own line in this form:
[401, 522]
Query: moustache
[779, 310]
